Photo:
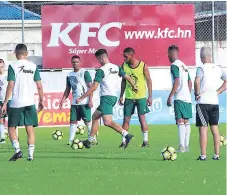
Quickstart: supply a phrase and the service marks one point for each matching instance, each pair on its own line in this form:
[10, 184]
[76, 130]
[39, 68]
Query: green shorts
[106, 104]
[78, 112]
[182, 110]
[24, 116]
[1, 103]
[131, 104]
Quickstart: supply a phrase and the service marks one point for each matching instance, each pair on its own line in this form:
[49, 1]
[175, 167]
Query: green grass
[106, 169]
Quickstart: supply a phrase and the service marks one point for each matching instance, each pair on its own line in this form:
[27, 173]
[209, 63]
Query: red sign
[81, 30]
[51, 114]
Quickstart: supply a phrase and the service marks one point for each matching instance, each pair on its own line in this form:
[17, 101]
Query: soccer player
[106, 77]
[207, 83]
[3, 85]
[181, 91]
[22, 112]
[139, 72]
[79, 80]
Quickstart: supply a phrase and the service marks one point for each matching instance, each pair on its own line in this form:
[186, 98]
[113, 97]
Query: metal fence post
[22, 19]
[213, 37]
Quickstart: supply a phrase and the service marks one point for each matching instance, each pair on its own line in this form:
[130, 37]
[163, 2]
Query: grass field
[106, 169]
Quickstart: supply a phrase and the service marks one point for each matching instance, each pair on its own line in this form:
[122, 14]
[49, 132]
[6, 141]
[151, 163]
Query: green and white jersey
[3, 86]
[78, 82]
[108, 76]
[180, 70]
[23, 73]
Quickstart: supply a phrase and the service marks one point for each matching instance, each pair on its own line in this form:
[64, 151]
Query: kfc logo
[86, 32]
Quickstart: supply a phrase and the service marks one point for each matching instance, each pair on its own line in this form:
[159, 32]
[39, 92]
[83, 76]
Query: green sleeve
[189, 78]
[87, 77]
[99, 75]
[37, 75]
[11, 74]
[175, 71]
[68, 82]
[121, 72]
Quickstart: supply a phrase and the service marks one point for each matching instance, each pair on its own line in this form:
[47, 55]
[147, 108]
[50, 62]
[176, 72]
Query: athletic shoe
[128, 138]
[122, 145]
[201, 159]
[144, 144]
[16, 156]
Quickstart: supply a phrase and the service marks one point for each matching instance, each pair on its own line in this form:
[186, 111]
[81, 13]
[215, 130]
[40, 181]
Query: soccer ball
[169, 153]
[223, 140]
[80, 129]
[57, 135]
[77, 144]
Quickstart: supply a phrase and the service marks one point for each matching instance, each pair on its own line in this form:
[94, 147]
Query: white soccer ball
[57, 135]
[223, 140]
[169, 153]
[81, 129]
[77, 144]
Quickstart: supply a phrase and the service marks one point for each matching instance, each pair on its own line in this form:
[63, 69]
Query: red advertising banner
[51, 114]
[81, 30]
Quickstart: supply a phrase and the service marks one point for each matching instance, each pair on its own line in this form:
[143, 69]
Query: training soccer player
[207, 83]
[106, 77]
[139, 72]
[181, 90]
[3, 85]
[79, 80]
[22, 111]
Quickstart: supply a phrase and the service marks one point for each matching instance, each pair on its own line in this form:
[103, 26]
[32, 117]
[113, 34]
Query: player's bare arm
[222, 88]
[89, 92]
[123, 86]
[65, 96]
[90, 103]
[128, 78]
[40, 92]
[190, 85]
[9, 91]
[149, 85]
[197, 87]
[173, 91]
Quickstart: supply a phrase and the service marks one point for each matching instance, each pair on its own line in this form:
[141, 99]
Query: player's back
[210, 82]
[183, 92]
[109, 85]
[23, 74]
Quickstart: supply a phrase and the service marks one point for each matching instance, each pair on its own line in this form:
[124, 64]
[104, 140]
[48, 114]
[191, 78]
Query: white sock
[123, 139]
[2, 131]
[17, 132]
[187, 134]
[72, 132]
[31, 148]
[89, 128]
[216, 155]
[124, 133]
[203, 156]
[145, 136]
[16, 146]
[91, 139]
[181, 133]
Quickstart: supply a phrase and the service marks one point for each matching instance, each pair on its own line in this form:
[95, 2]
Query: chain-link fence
[210, 25]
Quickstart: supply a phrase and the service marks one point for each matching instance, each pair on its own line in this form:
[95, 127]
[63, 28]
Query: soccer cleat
[122, 145]
[181, 149]
[30, 159]
[16, 156]
[186, 148]
[128, 138]
[2, 141]
[69, 143]
[144, 144]
[216, 158]
[201, 159]
[87, 143]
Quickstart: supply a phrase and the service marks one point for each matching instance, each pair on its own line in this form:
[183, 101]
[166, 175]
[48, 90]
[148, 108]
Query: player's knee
[180, 121]
[107, 122]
